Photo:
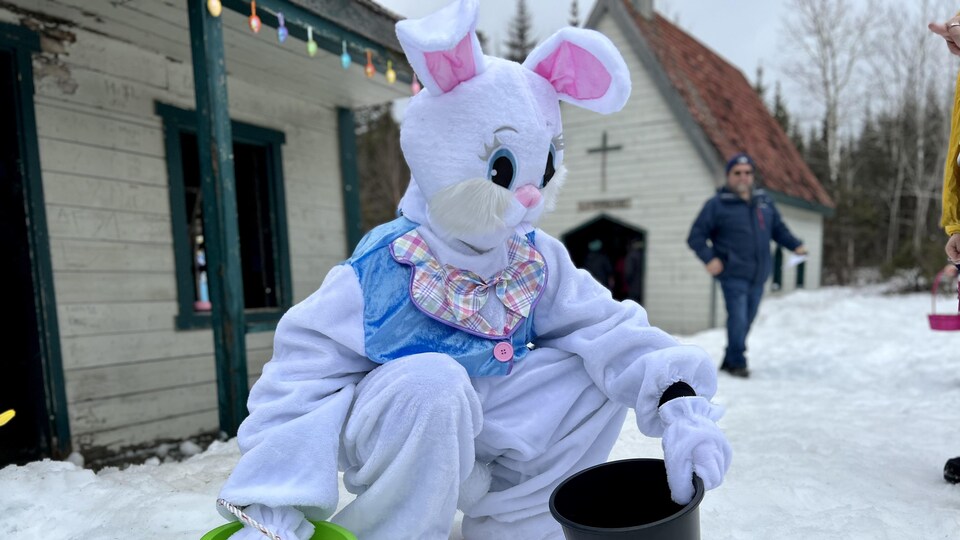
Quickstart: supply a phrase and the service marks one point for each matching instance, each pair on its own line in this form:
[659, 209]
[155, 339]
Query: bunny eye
[549, 170]
[502, 167]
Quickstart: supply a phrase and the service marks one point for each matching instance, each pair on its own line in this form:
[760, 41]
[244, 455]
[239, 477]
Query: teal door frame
[21, 43]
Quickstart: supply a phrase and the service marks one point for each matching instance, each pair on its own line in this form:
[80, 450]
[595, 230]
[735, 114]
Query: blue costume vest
[395, 327]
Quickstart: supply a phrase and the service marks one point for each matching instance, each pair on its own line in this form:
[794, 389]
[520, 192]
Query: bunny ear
[585, 69]
[443, 47]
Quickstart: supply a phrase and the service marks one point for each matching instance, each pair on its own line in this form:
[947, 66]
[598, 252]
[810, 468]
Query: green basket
[324, 531]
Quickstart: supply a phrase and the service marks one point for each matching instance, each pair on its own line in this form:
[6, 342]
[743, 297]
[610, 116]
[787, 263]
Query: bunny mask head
[484, 140]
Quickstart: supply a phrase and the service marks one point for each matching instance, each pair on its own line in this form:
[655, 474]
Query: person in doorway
[598, 264]
[732, 237]
[633, 271]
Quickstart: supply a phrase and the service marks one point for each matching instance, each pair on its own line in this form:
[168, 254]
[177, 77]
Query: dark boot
[741, 372]
[951, 471]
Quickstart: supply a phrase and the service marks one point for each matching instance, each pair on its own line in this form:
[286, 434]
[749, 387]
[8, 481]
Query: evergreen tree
[574, 14]
[797, 137]
[520, 41]
[758, 86]
[780, 113]
[482, 38]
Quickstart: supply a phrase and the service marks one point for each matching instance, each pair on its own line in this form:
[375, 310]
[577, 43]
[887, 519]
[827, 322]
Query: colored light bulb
[390, 73]
[282, 31]
[345, 56]
[214, 7]
[369, 69]
[254, 19]
[311, 44]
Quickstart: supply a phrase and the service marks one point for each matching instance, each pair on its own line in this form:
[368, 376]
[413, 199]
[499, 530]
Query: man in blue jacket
[739, 222]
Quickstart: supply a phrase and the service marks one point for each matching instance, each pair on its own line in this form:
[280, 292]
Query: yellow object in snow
[6, 416]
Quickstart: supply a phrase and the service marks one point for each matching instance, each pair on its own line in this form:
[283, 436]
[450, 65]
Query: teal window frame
[177, 121]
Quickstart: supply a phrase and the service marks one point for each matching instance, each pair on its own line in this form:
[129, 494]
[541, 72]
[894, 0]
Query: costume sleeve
[631, 362]
[701, 231]
[950, 217]
[780, 233]
[290, 442]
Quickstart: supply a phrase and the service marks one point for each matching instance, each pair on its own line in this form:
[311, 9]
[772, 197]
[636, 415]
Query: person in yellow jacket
[950, 219]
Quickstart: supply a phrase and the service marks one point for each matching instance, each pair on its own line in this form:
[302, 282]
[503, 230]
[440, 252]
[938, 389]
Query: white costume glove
[692, 443]
[284, 521]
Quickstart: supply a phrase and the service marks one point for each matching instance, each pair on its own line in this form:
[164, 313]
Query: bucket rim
[691, 506]
[320, 527]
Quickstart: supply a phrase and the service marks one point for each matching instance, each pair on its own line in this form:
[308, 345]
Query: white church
[644, 173]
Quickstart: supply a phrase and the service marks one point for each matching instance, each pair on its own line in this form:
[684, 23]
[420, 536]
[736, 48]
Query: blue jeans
[742, 299]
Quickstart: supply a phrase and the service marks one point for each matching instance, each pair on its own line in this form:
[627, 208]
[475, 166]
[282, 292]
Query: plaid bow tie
[516, 286]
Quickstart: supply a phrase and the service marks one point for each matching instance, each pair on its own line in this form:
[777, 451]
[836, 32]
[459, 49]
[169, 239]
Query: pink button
[503, 351]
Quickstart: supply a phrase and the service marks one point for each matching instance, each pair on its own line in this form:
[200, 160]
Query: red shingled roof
[728, 109]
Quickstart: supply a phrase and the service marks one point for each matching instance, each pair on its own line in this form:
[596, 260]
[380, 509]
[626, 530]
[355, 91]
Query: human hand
[692, 443]
[801, 250]
[950, 270]
[715, 266]
[949, 31]
[285, 522]
[953, 248]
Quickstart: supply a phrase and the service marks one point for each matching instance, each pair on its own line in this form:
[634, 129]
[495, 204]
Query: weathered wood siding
[131, 376]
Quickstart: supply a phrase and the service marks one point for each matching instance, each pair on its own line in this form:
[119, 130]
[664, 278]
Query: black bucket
[627, 499]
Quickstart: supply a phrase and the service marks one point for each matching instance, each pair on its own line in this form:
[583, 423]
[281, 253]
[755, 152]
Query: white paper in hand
[795, 259]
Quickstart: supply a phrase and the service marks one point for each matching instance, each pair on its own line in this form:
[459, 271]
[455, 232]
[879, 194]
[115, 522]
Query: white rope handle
[235, 510]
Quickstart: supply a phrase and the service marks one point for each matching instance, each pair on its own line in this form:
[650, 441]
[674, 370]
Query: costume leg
[735, 298]
[542, 423]
[406, 448]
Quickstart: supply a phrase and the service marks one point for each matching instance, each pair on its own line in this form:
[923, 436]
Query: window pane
[194, 213]
[255, 223]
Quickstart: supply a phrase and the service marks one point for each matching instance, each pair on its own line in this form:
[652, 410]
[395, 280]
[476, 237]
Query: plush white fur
[416, 436]
[471, 207]
[552, 192]
[692, 443]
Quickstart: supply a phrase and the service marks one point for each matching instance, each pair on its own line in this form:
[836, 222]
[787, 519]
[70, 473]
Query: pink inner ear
[574, 71]
[452, 67]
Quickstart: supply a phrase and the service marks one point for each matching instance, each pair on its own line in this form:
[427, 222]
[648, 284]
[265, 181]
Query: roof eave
[799, 203]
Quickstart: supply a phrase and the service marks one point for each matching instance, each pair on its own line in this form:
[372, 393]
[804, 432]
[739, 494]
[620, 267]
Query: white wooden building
[115, 343]
[646, 171]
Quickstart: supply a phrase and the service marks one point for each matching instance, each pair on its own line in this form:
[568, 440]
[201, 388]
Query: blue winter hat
[740, 159]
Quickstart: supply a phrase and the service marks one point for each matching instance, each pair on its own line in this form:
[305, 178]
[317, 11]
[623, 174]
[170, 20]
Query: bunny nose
[528, 196]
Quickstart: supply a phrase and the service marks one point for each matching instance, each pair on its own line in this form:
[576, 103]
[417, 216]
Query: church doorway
[614, 252]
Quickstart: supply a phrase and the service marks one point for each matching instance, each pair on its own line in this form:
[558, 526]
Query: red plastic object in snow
[943, 321]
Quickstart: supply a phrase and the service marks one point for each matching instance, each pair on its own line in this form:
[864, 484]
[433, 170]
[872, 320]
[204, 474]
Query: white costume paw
[693, 444]
[284, 521]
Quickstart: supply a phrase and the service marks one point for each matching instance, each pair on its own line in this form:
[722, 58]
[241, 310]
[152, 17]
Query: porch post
[221, 233]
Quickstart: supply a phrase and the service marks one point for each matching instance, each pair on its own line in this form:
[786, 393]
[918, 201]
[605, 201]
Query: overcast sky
[747, 33]
[742, 31]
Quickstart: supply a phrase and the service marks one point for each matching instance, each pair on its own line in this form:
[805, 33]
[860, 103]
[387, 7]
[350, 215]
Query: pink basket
[943, 321]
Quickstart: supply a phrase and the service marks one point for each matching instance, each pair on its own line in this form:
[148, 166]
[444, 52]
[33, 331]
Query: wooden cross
[603, 149]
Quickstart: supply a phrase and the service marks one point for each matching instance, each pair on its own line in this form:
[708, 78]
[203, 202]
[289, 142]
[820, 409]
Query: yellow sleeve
[950, 219]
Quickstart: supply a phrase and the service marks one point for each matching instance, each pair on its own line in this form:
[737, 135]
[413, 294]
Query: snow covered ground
[841, 433]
